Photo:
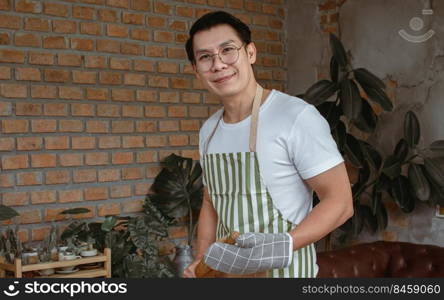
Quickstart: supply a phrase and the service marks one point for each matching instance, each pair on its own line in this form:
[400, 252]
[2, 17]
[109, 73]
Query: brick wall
[94, 93]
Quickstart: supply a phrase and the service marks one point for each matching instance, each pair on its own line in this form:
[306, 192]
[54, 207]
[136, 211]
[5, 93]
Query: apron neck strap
[253, 124]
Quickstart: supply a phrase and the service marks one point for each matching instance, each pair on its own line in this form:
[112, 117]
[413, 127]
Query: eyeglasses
[228, 54]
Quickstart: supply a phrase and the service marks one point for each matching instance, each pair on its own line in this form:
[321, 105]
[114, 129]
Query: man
[263, 154]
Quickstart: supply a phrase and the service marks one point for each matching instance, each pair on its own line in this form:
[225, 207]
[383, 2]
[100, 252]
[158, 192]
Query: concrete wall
[414, 73]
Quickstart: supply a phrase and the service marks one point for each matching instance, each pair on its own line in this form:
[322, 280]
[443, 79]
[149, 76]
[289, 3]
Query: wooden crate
[105, 271]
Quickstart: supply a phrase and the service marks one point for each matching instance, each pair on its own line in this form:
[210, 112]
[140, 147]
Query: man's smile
[224, 78]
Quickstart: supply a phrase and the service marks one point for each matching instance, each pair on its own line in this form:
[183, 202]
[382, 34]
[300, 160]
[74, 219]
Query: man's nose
[218, 64]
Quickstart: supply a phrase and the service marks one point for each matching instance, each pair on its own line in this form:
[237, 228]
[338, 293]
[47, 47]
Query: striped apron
[243, 203]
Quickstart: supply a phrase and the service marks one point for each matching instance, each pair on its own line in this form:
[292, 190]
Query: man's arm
[335, 206]
[206, 229]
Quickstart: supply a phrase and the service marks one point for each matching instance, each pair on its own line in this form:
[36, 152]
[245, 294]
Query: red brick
[132, 49]
[28, 6]
[118, 3]
[39, 234]
[269, 9]
[83, 142]
[108, 110]
[180, 83]
[56, 9]
[57, 177]
[146, 126]
[191, 98]
[29, 143]
[29, 178]
[96, 94]
[84, 110]
[110, 78]
[108, 209]
[122, 158]
[163, 36]
[83, 12]
[109, 142]
[110, 46]
[64, 26]
[122, 95]
[55, 42]
[122, 126]
[153, 171]
[6, 180]
[68, 59]
[13, 90]
[198, 111]
[90, 28]
[185, 11]
[5, 108]
[67, 92]
[5, 72]
[194, 154]
[12, 56]
[37, 24]
[165, 126]
[178, 140]
[107, 15]
[141, 34]
[71, 160]
[167, 67]
[155, 51]
[109, 175]
[85, 175]
[15, 198]
[169, 97]
[5, 5]
[158, 22]
[43, 125]
[155, 111]
[162, 8]
[146, 96]
[12, 162]
[132, 173]
[57, 143]
[54, 214]
[10, 22]
[189, 125]
[95, 62]
[121, 191]
[43, 160]
[31, 74]
[41, 58]
[96, 193]
[177, 53]
[66, 196]
[70, 126]
[97, 126]
[30, 217]
[117, 30]
[143, 65]
[55, 109]
[178, 25]
[7, 144]
[28, 109]
[132, 111]
[181, 38]
[133, 142]
[43, 92]
[134, 79]
[40, 197]
[143, 5]
[96, 158]
[57, 75]
[177, 111]
[132, 18]
[15, 126]
[158, 81]
[84, 77]
[26, 39]
[120, 63]
[82, 44]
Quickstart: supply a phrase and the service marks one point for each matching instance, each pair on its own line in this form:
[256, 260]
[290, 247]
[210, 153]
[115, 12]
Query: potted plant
[10, 245]
[177, 191]
[411, 173]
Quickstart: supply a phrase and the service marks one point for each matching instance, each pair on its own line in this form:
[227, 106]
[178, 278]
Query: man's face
[223, 79]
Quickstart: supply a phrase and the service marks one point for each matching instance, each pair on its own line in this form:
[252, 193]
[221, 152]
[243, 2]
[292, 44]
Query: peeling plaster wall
[414, 73]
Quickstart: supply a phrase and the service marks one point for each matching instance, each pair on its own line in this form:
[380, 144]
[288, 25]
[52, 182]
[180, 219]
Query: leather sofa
[382, 259]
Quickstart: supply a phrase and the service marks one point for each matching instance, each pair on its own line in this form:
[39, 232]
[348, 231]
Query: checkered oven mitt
[253, 252]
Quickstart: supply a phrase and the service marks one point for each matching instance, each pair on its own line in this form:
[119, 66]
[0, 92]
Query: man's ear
[251, 52]
[195, 71]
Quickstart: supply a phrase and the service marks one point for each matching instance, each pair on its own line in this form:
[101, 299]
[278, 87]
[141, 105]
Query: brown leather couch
[382, 259]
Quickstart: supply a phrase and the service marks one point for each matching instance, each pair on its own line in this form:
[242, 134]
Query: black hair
[213, 19]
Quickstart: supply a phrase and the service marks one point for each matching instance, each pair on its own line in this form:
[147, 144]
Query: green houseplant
[10, 245]
[409, 174]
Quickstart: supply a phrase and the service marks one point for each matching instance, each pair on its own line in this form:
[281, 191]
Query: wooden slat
[65, 263]
[80, 274]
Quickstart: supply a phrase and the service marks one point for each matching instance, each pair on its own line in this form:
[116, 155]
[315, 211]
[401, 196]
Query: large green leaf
[367, 119]
[331, 112]
[437, 146]
[392, 167]
[411, 129]
[351, 101]
[7, 212]
[139, 232]
[75, 211]
[401, 150]
[419, 182]
[378, 96]
[109, 223]
[319, 92]
[353, 151]
[338, 51]
[434, 170]
[402, 195]
[334, 69]
[364, 77]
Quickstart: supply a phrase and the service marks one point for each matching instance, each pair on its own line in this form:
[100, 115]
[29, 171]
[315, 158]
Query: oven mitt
[253, 252]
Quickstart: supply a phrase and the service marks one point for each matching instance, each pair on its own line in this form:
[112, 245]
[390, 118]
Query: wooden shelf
[17, 268]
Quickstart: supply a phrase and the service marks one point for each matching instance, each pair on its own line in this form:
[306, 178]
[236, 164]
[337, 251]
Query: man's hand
[253, 252]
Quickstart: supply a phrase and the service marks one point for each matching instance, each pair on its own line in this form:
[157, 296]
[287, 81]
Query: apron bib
[243, 203]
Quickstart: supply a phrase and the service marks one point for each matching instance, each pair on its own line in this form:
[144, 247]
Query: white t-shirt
[293, 143]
